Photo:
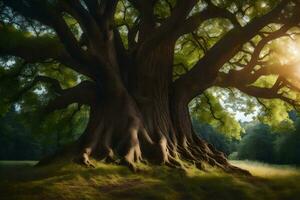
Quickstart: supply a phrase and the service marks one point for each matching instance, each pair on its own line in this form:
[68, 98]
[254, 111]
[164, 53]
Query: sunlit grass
[106, 181]
[267, 170]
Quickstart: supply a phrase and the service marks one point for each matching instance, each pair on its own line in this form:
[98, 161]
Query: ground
[19, 180]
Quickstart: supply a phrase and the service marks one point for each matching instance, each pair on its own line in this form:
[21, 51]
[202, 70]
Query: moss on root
[108, 181]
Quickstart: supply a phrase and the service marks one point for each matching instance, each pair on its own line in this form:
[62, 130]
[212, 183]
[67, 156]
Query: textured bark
[122, 130]
[146, 121]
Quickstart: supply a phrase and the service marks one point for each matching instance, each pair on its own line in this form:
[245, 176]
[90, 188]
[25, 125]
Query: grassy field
[19, 180]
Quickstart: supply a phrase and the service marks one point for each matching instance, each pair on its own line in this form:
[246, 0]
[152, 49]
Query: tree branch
[212, 11]
[233, 77]
[267, 93]
[205, 72]
[83, 93]
[31, 49]
[48, 14]
[53, 83]
[167, 28]
[211, 109]
[37, 49]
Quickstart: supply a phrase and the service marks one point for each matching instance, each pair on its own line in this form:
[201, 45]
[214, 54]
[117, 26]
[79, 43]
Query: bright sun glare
[287, 52]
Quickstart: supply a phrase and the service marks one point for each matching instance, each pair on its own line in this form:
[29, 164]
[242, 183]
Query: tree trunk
[143, 117]
[147, 121]
[156, 132]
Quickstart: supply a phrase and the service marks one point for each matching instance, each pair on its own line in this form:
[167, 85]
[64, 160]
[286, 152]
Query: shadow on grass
[63, 181]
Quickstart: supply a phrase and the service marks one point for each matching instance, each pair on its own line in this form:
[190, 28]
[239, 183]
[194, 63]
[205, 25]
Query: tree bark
[159, 132]
[147, 121]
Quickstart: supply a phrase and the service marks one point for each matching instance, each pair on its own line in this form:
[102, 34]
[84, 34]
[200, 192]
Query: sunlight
[293, 57]
[263, 5]
[294, 50]
[286, 52]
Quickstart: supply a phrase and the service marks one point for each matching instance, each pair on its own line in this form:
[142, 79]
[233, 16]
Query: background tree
[219, 140]
[257, 144]
[138, 64]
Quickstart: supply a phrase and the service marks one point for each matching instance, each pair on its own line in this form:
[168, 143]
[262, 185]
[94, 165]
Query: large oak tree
[137, 82]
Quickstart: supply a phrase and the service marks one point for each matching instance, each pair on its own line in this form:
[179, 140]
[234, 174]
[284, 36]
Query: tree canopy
[223, 57]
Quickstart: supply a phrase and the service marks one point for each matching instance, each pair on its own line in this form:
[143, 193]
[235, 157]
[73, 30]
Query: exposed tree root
[86, 159]
[185, 157]
[131, 152]
[118, 135]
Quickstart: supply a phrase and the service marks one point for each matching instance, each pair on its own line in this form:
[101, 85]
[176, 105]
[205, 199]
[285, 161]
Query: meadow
[22, 181]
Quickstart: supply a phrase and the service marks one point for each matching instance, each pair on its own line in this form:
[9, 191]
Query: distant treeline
[258, 142]
[25, 139]
[16, 141]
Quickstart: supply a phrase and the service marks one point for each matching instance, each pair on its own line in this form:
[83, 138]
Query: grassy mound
[19, 180]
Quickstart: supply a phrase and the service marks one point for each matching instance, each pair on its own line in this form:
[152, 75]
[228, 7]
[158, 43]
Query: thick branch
[94, 8]
[267, 93]
[44, 79]
[31, 49]
[193, 22]
[37, 49]
[167, 28]
[86, 21]
[145, 8]
[83, 93]
[48, 15]
[205, 72]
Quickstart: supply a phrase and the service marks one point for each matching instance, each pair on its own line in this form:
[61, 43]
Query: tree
[128, 52]
[257, 144]
[15, 141]
[286, 144]
[209, 134]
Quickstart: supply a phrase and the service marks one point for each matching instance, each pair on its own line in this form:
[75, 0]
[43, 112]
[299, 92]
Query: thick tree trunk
[146, 119]
[147, 122]
[160, 133]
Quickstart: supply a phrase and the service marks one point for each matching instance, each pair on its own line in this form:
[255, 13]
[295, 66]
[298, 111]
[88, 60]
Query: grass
[267, 170]
[19, 180]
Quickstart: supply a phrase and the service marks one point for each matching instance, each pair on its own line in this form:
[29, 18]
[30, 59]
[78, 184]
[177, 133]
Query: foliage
[16, 142]
[208, 108]
[257, 144]
[261, 143]
[220, 141]
[287, 148]
[24, 137]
